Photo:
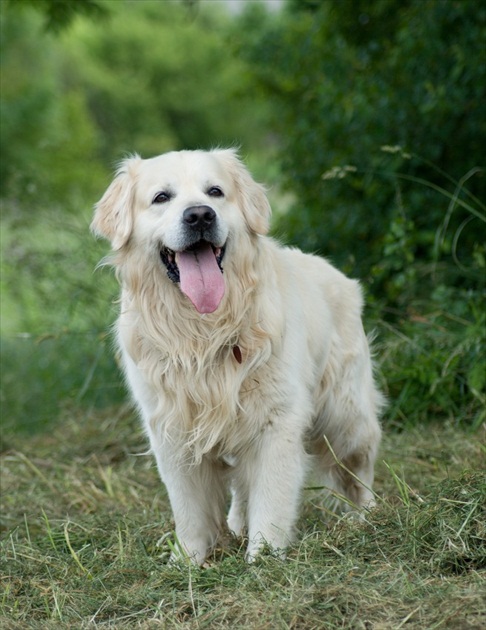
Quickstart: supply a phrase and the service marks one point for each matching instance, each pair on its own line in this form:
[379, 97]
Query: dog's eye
[162, 197]
[215, 191]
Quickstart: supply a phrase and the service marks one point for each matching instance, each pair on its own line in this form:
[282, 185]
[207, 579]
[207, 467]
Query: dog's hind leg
[353, 478]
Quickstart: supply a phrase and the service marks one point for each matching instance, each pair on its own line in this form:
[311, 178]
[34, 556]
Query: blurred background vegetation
[366, 117]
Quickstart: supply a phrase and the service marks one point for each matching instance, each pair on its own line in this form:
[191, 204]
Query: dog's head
[188, 209]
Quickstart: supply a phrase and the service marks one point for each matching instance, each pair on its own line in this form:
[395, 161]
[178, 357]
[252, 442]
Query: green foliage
[358, 86]
[434, 361]
[49, 282]
[149, 78]
[56, 314]
[48, 141]
[334, 101]
[41, 376]
[348, 77]
[190, 94]
[58, 14]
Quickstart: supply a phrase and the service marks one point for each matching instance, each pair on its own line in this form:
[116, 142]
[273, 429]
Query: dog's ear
[113, 218]
[253, 199]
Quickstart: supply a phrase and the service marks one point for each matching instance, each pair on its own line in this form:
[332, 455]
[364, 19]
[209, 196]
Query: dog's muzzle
[198, 265]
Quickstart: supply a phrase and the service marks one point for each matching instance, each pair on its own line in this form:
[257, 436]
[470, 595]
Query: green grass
[86, 531]
[58, 370]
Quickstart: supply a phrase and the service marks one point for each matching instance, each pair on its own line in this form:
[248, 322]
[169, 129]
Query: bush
[335, 81]
[434, 361]
[380, 120]
[42, 376]
[56, 315]
[348, 77]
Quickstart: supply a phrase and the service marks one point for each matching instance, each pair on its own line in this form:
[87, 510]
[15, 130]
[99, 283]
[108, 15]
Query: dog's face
[188, 209]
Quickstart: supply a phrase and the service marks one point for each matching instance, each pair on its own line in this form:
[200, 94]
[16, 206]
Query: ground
[87, 529]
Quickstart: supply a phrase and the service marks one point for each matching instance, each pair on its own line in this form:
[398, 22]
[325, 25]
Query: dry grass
[86, 530]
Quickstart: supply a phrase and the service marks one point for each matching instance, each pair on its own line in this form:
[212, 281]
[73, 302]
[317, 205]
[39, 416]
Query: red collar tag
[237, 353]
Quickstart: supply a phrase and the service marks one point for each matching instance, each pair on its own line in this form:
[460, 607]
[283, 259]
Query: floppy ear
[113, 218]
[254, 202]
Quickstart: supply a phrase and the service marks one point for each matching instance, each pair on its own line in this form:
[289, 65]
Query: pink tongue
[201, 278]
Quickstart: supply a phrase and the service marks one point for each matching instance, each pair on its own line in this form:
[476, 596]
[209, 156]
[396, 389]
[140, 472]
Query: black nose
[199, 217]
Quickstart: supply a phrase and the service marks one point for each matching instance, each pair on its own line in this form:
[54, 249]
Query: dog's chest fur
[205, 397]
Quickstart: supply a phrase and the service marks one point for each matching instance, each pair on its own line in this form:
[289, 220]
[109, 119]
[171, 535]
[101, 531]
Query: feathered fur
[305, 378]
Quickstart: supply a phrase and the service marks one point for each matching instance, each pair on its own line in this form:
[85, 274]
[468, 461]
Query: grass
[87, 530]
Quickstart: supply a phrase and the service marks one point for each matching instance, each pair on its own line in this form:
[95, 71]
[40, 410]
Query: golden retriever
[247, 360]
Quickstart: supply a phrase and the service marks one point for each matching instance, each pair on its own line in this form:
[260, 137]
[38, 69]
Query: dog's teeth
[217, 251]
[169, 254]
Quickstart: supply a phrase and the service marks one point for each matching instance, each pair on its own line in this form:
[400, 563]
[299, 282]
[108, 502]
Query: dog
[247, 360]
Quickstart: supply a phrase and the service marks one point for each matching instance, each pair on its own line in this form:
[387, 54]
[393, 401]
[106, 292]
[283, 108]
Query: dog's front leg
[275, 471]
[197, 497]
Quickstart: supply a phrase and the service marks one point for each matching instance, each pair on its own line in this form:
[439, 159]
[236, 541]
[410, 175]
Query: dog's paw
[185, 552]
[259, 547]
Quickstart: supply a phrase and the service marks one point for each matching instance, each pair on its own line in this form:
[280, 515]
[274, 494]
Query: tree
[350, 77]
[150, 78]
[157, 80]
[59, 14]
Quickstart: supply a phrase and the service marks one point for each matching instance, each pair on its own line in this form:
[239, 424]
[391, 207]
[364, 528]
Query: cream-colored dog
[246, 359]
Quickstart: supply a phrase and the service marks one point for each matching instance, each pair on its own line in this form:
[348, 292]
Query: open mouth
[199, 271]
[168, 257]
